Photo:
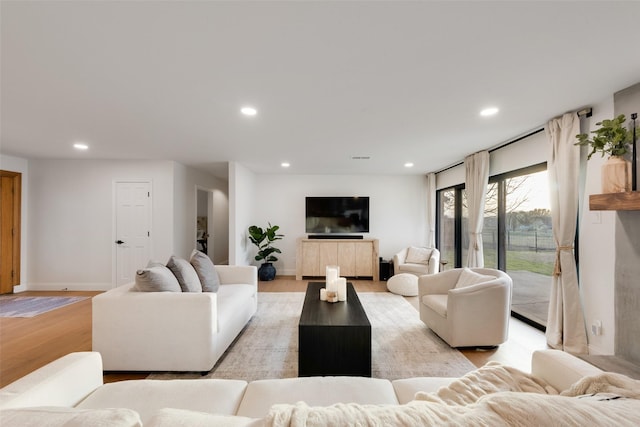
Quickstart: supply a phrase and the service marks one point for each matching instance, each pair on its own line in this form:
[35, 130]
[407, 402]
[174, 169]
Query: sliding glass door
[516, 236]
[529, 247]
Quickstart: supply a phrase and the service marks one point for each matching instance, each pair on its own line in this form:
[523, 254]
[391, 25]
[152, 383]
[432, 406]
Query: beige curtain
[565, 323]
[476, 180]
[431, 210]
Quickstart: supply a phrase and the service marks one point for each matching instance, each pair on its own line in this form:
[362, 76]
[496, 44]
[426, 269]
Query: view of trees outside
[528, 224]
[530, 249]
[529, 245]
[447, 228]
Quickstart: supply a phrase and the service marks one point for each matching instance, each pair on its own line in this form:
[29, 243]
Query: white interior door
[133, 231]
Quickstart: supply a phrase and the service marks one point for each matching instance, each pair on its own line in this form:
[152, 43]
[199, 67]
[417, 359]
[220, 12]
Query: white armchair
[417, 261]
[467, 307]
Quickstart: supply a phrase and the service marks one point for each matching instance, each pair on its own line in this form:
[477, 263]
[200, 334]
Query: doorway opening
[203, 219]
[10, 212]
[212, 224]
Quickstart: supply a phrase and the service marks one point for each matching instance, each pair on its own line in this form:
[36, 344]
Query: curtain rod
[585, 112]
[520, 138]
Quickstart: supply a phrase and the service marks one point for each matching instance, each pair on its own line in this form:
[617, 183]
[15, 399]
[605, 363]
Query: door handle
[119, 242]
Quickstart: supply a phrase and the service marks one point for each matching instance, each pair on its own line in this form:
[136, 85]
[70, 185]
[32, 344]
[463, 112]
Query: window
[446, 233]
[516, 235]
[529, 249]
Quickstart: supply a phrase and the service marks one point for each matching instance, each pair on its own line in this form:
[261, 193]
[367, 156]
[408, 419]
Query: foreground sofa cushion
[561, 370]
[316, 391]
[206, 271]
[171, 417]
[63, 382]
[69, 417]
[146, 396]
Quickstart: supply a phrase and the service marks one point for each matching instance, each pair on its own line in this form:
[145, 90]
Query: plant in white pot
[612, 139]
[263, 239]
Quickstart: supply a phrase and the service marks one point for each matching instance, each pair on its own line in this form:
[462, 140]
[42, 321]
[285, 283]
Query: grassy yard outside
[540, 262]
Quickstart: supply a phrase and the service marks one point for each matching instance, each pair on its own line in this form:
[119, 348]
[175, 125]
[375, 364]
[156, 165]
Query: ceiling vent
[360, 157]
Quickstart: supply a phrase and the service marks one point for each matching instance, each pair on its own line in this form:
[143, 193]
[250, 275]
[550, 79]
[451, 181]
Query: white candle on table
[332, 273]
[342, 288]
[323, 294]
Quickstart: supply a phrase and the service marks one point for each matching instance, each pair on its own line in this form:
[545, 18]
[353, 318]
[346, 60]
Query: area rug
[14, 306]
[401, 345]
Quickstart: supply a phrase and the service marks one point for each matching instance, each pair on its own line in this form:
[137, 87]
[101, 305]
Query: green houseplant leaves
[263, 239]
[611, 138]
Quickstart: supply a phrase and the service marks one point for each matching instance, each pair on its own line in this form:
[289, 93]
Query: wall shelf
[628, 201]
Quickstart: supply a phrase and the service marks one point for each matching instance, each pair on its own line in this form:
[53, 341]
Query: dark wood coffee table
[334, 339]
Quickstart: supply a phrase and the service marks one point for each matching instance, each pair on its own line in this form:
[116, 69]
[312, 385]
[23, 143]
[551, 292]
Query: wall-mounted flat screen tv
[329, 215]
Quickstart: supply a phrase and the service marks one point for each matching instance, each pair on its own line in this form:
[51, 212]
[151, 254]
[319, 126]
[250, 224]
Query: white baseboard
[19, 288]
[66, 286]
[598, 351]
[286, 272]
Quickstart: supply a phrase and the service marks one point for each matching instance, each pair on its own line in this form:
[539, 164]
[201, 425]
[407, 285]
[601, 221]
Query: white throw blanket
[493, 395]
[606, 382]
[491, 378]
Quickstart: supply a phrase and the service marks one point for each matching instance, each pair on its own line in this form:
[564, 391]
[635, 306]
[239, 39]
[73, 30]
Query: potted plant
[263, 239]
[612, 138]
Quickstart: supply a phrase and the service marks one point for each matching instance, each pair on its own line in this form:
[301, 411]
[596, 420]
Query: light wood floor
[29, 343]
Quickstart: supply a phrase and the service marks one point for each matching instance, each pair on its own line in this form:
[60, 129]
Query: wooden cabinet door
[328, 256]
[364, 259]
[347, 259]
[310, 259]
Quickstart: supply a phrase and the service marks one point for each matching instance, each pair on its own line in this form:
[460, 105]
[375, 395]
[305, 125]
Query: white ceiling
[396, 81]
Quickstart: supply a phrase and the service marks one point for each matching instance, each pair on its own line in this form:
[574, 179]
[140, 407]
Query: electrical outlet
[596, 327]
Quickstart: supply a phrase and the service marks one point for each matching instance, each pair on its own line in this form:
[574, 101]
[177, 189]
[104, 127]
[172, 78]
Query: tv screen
[328, 215]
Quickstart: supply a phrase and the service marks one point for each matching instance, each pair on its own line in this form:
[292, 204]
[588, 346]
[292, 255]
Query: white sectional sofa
[74, 385]
[173, 331]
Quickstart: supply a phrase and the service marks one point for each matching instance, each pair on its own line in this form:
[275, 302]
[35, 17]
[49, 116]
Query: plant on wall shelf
[612, 138]
[263, 239]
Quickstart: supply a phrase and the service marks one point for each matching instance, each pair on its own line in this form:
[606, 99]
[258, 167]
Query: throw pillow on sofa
[418, 255]
[206, 271]
[185, 273]
[469, 277]
[156, 278]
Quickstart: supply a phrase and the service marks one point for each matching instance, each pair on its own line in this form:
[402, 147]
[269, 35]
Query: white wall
[186, 182]
[397, 208]
[597, 251]
[203, 202]
[17, 164]
[71, 219]
[242, 194]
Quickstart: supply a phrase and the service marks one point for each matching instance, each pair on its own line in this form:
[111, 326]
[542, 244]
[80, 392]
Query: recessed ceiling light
[80, 146]
[248, 111]
[408, 165]
[489, 111]
[285, 164]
